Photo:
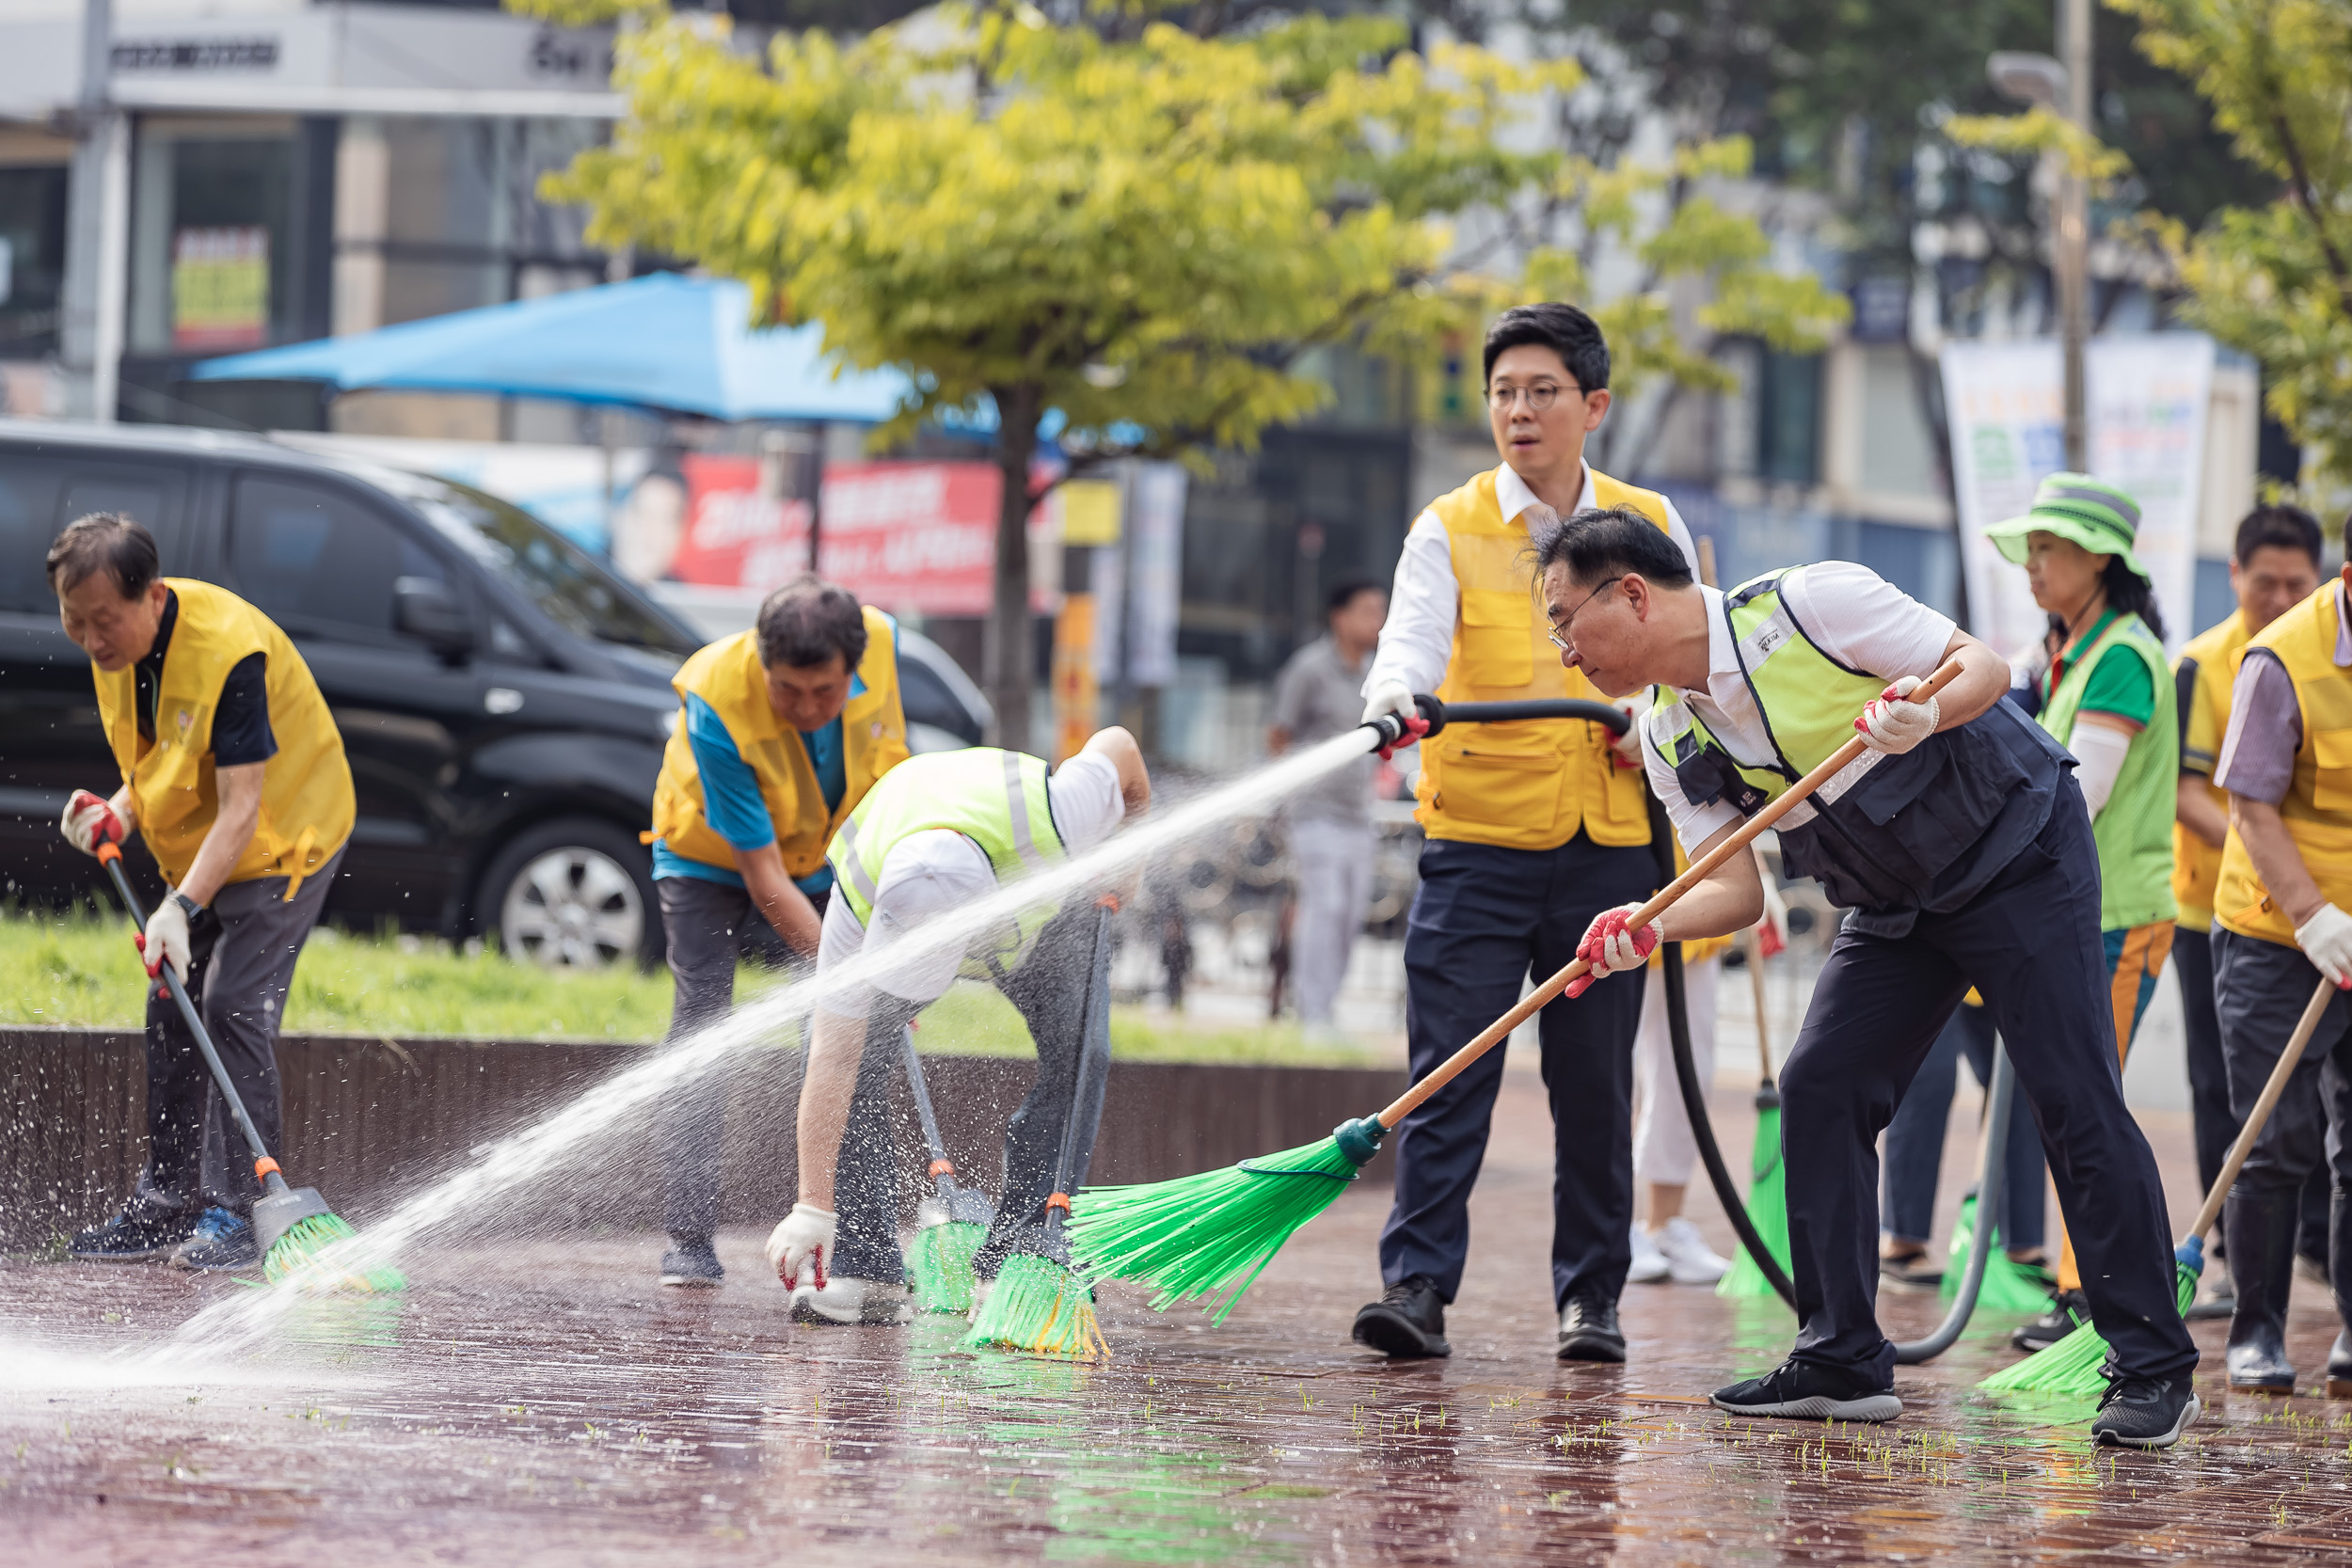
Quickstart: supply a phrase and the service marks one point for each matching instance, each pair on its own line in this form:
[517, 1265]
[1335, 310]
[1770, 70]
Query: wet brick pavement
[543, 1402]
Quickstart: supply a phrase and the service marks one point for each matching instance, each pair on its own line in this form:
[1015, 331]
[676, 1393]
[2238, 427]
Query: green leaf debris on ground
[79, 970]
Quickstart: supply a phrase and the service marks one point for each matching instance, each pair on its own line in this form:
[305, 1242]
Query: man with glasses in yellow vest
[939, 835]
[233, 773]
[782, 731]
[1533, 829]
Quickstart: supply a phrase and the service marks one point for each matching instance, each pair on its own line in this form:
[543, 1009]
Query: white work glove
[89, 821]
[803, 1244]
[1389, 696]
[2326, 938]
[166, 939]
[1613, 944]
[1890, 725]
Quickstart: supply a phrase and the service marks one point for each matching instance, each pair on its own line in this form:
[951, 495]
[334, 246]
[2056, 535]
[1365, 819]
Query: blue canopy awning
[662, 341]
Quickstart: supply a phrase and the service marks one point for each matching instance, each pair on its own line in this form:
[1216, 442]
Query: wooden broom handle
[1704, 867]
[2304, 1028]
[1754, 946]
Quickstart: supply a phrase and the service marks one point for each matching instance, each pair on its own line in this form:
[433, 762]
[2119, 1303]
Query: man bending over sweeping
[935, 834]
[1960, 845]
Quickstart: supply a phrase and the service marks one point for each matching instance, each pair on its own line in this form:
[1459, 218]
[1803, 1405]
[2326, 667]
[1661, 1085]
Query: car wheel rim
[572, 908]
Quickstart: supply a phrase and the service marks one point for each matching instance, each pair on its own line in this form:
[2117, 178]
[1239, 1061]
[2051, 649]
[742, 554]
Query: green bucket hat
[2090, 512]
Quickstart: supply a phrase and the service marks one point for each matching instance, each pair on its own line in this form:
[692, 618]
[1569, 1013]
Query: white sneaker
[852, 1301]
[1689, 1260]
[1649, 1264]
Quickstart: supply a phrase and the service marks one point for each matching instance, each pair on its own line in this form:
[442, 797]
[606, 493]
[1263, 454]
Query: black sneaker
[693, 1265]
[221, 1240]
[1407, 1321]
[146, 1230]
[1801, 1392]
[2144, 1412]
[2069, 1313]
[1589, 1331]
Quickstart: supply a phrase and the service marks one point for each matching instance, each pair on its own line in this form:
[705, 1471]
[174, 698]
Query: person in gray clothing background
[1318, 694]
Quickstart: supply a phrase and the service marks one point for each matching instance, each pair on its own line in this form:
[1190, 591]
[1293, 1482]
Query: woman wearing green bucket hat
[2099, 682]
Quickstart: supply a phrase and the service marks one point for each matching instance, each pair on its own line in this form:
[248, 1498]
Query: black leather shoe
[1407, 1321]
[1589, 1331]
[2340, 1366]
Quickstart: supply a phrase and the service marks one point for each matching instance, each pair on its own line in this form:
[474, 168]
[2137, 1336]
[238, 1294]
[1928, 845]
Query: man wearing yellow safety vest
[1532, 828]
[936, 838]
[783, 730]
[1962, 850]
[2279, 924]
[2274, 567]
[233, 774]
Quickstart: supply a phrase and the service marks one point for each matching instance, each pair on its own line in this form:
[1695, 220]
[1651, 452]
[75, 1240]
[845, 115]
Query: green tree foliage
[2274, 279]
[1134, 224]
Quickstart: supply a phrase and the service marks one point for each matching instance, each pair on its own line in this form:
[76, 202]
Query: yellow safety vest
[728, 675]
[2318, 805]
[307, 802]
[1528, 785]
[2196, 864]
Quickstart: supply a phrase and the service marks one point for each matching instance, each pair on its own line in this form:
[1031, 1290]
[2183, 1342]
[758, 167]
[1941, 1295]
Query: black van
[502, 695]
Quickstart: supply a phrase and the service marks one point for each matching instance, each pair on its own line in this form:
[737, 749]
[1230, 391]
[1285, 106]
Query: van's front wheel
[572, 894]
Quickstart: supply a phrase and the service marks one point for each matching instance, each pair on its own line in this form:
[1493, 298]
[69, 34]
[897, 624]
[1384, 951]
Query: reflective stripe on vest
[2317, 808]
[2135, 828]
[308, 806]
[994, 798]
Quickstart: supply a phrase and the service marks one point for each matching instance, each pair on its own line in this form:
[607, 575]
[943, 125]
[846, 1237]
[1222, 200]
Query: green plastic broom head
[1041, 1308]
[322, 1253]
[941, 1262]
[1206, 1237]
[1768, 1210]
[2076, 1366]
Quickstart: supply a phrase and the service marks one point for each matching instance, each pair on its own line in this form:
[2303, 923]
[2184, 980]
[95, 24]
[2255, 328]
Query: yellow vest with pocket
[2317, 809]
[1528, 785]
[728, 675]
[2196, 864]
[306, 800]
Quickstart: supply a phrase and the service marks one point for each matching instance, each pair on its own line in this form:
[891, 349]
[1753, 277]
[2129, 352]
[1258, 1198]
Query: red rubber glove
[1613, 944]
[89, 821]
[1415, 727]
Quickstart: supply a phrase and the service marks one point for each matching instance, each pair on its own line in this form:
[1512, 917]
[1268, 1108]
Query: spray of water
[569, 1131]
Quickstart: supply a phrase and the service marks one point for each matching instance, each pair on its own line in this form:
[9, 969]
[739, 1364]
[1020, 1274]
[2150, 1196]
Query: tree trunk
[1010, 649]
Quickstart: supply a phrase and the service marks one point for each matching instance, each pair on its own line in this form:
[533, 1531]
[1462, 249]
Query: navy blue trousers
[2030, 944]
[1484, 918]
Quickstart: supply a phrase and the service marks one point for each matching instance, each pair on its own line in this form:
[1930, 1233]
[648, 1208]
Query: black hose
[1990, 1182]
[1441, 714]
[1693, 1094]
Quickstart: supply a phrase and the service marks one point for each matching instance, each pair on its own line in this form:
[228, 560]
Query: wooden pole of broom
[2276, 1084]
[1700, 870]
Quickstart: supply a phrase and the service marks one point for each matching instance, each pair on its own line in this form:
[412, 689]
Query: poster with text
[2147, 397]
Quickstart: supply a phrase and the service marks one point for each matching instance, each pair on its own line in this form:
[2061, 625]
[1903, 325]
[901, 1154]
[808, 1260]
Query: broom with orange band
[1040, 1303]
[292, 1226]
[950, 1224]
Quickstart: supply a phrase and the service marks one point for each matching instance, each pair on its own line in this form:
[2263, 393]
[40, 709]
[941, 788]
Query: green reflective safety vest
[996, 798]
[2135, 828]
[1889, 835]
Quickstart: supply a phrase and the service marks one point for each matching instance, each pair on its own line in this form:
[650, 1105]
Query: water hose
[1992, 1173]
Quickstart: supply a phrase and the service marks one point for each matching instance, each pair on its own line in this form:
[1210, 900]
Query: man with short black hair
[1332, 838]
[782, 731]
[233, 773]
[1960, 847]
[2274, 567]
[1532, 828]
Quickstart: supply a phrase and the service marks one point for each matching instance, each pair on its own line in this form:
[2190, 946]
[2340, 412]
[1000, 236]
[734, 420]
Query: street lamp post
[2042, 81]
[98, 229]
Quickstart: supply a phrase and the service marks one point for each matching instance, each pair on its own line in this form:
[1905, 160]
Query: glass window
[27, 503]
[573, 589]
[320, 562]
[32, 258]
[39, 495]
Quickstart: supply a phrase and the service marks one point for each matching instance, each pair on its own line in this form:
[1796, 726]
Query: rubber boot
[2340, 1285]
[2261, 1263]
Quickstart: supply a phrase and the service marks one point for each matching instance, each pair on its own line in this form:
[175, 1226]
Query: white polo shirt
[929, 873]
[1853, 615]
[1417, 643]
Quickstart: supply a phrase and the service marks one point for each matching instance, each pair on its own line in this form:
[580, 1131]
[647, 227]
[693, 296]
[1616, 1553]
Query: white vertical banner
[1155, 563]
[2148, 398]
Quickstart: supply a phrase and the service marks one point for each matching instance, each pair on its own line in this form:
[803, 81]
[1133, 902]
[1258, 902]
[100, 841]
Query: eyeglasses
[1559, 633]
[1540, 397]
